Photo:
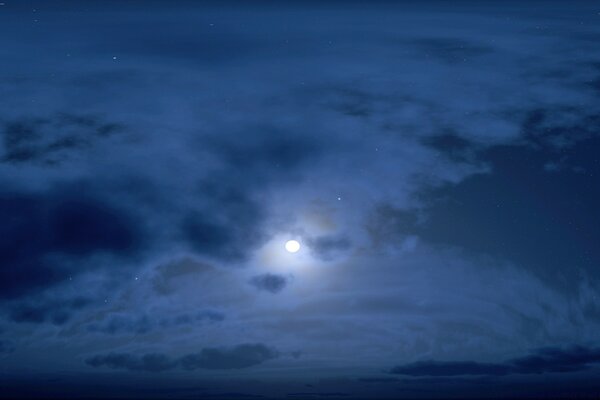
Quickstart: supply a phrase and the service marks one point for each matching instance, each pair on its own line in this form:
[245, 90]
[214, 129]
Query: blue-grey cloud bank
[437, 162]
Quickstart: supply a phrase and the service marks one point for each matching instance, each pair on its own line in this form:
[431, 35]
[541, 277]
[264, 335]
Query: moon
[292, 246]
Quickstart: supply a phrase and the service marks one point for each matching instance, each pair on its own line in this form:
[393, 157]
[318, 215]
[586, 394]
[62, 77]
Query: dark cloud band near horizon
[555, 360]
[240, 356]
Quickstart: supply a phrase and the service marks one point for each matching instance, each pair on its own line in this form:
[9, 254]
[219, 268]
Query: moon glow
[292, 246]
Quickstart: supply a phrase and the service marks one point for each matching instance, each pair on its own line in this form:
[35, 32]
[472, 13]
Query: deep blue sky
[439, 163]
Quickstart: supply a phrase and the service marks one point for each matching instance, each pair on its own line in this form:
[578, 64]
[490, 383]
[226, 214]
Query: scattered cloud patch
[328, 247]
[269, 282]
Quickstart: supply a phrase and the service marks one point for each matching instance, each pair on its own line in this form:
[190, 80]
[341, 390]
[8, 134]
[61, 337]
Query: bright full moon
[292, 246]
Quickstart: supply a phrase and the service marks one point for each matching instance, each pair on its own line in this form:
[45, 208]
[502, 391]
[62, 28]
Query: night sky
[437, 162]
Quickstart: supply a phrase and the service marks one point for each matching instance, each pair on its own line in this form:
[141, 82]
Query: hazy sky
[438, 162]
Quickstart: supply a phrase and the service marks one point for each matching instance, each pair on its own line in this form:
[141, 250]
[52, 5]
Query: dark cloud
[48, 139]
[238, 357]
[542, 361]
[39, 229]
[241, 356]
[271, 152]
[328, 247]
[269, 282]
[230, 224]
[220, 236]
[6, 347]
[81, 226]
[557, 360]
[451, 368]
[55, 311]
[152, 362]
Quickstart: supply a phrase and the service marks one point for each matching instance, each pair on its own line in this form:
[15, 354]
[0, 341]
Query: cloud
[224, 239]
[229, 222]
[152, 362]
[271, 152]
[545, 360]
[553, 359]
[238, 357]
[48, 139]
[57, 312]
[269, 282]
[437, 368]
[39, 228]
[328, 247]
[241, 356]
[6, 347]
[215, 162]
